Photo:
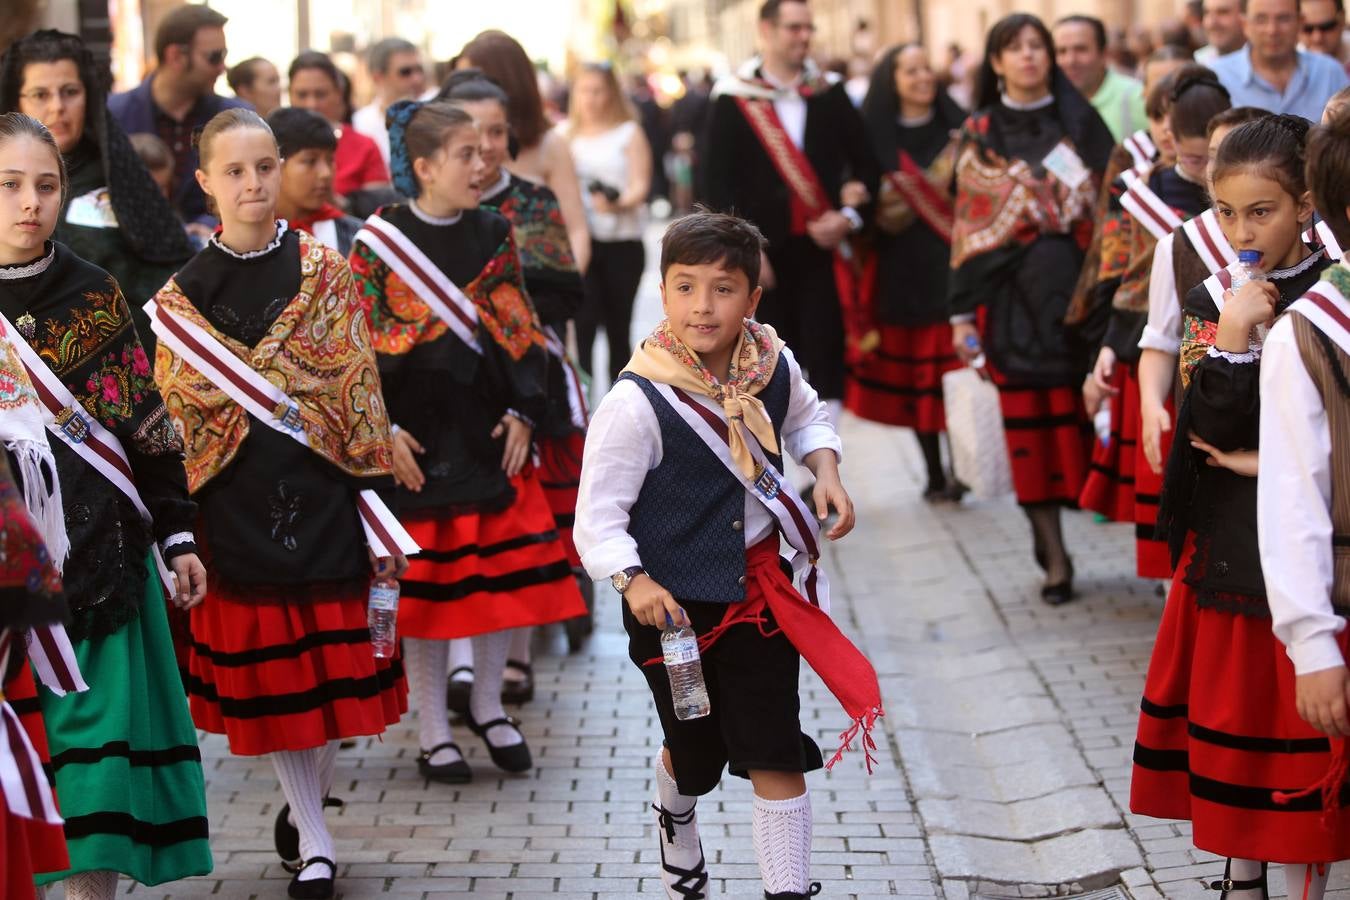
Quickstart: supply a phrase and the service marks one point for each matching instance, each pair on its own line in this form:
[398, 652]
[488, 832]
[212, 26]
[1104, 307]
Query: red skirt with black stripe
[26, 845]
[1219, 735]
[560, 476]
[289, 676]
[900, 383]
[1109, 489]
[1152, 558]
[1048, 437]
[485, 572]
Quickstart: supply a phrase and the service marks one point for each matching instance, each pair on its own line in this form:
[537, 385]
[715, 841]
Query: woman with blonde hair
[614, 167]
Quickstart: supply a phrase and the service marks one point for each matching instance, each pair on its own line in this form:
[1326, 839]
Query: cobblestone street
[1004, 761]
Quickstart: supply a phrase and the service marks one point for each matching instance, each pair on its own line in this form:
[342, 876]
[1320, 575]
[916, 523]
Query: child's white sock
[485, 702]
[100, 884]
[519, 651]
[298, 772]
[461, 657]
[427, 662]
[677, 832]
[1301, 884]
[782, 834]
[327, 766]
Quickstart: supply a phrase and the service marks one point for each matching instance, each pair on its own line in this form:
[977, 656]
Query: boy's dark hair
[182, 25]
[768, 11]
[1329, 172]
[1196, 98]
[1232, 118]
[243, 74]
[705, 237]
[299, 129]
[1159, 99]
[1274, 146]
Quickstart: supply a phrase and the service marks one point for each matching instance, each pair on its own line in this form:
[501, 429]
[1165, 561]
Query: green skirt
[128, 771]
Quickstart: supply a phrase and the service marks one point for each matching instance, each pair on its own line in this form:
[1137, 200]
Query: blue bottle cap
[1249, 257]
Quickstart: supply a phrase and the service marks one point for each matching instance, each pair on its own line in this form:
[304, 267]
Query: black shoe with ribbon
[689, 884]
[793, 895]
[1227, 884]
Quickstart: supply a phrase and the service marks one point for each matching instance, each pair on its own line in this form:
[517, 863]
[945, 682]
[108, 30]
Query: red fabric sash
[928, 203]
[841, 665]
[806, 194]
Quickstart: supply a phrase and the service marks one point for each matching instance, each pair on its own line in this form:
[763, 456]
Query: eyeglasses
[407, 71]
[213, 58]
[1324, 27]
[68, 93]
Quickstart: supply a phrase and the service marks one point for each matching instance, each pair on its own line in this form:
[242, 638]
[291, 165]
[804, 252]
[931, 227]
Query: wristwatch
[623, 580]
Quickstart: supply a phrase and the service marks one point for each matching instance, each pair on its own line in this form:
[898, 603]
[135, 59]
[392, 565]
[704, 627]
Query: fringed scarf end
[862, 724]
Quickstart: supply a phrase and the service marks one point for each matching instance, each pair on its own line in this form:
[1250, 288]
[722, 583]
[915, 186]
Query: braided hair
[417, 131]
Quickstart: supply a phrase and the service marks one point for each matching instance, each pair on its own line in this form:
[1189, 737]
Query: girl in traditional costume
[897, 377]
[127, 511]
[1028, 165]
[555, 289]
[1146, 206]
[281, 660]
[464, 364]
[1219, 737]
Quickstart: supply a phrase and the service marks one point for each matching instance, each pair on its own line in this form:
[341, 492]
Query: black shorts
[752, 689]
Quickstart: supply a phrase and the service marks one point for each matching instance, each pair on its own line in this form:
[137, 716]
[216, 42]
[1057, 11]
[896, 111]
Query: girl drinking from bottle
[1219, 736]
[281, 659]
[464, 363]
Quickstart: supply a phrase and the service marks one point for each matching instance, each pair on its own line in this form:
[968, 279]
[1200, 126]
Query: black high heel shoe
[1061, 592]
[1228, 884]
[314, 888]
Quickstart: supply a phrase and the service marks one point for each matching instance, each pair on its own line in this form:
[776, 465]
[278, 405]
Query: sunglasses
[407, 71]
[1324, 27]
[214, 58]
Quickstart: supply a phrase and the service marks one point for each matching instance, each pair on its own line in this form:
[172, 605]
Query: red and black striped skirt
[1219, 736]
[1109, 489]
[560, 476]
[900, 383]
[289, 676]
[485, 572]
[1152, 558]
[1048, 437]
[27, 846]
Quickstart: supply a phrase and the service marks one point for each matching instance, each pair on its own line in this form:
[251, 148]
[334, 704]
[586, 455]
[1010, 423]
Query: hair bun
[1295, 125]
[1207, 78]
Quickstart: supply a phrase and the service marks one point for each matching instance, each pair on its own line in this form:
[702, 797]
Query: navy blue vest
[689, 518]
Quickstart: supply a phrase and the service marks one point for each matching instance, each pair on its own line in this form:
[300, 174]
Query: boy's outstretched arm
[829, 491]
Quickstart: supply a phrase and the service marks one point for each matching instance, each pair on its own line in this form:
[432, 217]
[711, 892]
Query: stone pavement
[1004, 762]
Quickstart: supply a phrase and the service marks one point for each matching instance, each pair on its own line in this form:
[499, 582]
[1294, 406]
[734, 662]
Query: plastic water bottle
[1248, 269]
[973, 346]
[1101, 423]
[679, 646]
[382, 615]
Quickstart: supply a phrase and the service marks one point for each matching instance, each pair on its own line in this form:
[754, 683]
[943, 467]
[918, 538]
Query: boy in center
[681, 504]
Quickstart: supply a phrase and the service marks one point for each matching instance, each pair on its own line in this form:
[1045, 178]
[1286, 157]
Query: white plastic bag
[975, 430]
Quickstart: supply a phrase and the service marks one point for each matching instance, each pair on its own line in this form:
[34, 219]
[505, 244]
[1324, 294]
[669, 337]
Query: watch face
[620, 581]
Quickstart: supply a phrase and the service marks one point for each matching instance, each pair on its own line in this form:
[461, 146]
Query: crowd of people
[263, 365]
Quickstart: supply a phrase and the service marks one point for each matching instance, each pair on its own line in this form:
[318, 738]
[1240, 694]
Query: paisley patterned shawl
[400, 321]
[536, 219]
[1080, 305]
[894, 212]
[1001, 203]
[318, 351]
[29, 582]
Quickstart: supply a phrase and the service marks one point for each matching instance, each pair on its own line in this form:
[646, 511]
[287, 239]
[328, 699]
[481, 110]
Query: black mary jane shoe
[515, 758]
[793, 895]
[457, 772]
[1227, 884]
[314, 888]
[1061, 592]
[286, 837]
[518, 691]
[457, 691]
[949, 491]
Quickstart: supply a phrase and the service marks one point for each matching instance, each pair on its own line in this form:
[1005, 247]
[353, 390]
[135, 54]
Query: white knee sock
[327, 763]
[1301, 884]
[298, 772]
[679, 841]
[782, 835]
[519, 651]
[427, 663]
[100, 884]
[485, 703]
[1246, 870]
[461, 656]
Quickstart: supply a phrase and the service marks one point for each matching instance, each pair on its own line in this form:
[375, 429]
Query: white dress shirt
[1293, 506]
[791, 108]
[369, 120]
[1163, 330]
[623, 444]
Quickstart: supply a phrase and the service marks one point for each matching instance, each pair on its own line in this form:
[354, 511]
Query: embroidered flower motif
[140, 363]
[112, 392]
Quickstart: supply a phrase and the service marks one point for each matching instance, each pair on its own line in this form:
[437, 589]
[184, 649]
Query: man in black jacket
[783, 144]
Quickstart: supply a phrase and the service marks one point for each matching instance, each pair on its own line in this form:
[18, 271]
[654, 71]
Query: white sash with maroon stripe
[1328, 309]
[576, 397]
[23, 783]
[441, 295]
[270, 405]
[67, 418]
[1320, 234]
[795, 521]
[53, 659]
[1207, 238]
[1147, 207]
[1217, 284]
[1142, 151]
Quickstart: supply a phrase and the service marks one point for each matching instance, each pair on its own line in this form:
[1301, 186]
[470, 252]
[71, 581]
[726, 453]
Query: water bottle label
[384, 598]
[679, 653]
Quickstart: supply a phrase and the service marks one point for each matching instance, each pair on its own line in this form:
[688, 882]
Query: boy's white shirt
[1293, 506]
[623, 444]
